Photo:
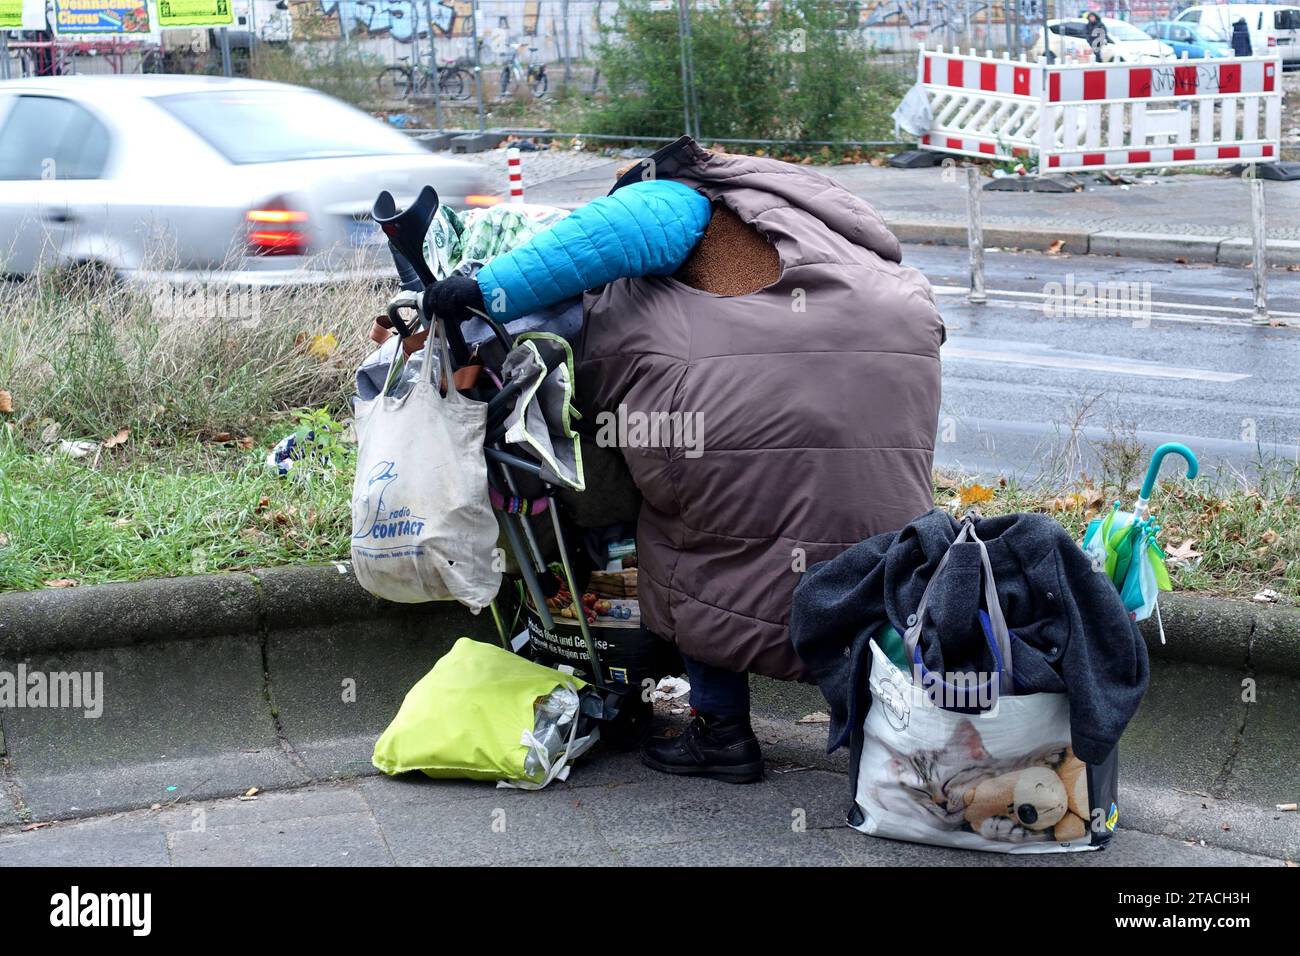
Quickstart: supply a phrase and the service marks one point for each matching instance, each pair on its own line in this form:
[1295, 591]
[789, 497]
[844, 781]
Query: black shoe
[721, 748]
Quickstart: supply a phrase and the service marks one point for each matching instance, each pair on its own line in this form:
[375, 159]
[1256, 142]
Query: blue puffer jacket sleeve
[646, 228]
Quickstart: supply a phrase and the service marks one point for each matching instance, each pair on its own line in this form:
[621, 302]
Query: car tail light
[481, 199]
[276, 230]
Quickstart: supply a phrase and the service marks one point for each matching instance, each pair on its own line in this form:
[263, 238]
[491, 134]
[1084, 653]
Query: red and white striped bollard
[516, 174]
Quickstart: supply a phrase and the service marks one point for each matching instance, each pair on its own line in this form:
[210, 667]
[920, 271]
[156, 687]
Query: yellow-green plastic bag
[471, 716]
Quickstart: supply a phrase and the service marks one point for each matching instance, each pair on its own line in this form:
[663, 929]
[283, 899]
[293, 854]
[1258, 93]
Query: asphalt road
[1178, 360]
[1168, 353]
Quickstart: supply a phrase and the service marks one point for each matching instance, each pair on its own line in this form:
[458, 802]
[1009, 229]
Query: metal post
[690, 69]
[478, 63]
[975, 236]
[1047, 37]
[682, 28]
[223, 36]
[568, 58]
[434, 76]
[1259, 241]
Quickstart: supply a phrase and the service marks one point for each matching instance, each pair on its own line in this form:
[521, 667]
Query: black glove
[453, 298]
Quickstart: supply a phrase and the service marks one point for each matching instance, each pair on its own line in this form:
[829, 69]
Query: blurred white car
[1273, 29]
[1068, 43]
[181, 177]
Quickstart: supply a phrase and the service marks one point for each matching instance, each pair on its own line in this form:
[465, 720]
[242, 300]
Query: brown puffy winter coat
[817, 396]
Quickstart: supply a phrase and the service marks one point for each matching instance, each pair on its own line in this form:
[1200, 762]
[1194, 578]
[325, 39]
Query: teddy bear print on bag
[1040, 796]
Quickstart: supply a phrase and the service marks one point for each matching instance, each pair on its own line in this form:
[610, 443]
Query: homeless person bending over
[768, 304]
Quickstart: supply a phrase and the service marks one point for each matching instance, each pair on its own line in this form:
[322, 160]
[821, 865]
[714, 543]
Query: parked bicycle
[403, 80]
[516, 71]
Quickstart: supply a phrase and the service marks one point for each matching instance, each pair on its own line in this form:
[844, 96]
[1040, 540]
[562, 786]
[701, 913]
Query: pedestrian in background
[1095, 31]
[1241, 38]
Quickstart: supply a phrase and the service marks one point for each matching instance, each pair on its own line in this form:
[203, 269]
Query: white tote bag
[951, 760]
[422, 525]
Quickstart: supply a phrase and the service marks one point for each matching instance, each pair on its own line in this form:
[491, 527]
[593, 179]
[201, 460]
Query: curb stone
[219, 683]
[1200, 629]
[1155, 247]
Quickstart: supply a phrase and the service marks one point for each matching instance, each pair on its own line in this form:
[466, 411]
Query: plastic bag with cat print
[992, 774]
[1004, 780]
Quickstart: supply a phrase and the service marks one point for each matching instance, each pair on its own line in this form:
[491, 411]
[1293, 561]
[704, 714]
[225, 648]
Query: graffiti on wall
[400, 19]
[951, 20]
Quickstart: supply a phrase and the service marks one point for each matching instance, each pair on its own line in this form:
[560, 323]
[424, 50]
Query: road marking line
[955, 290]
[1098, 363]
[1138, 320]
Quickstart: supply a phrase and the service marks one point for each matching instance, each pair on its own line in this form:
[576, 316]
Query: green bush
[795, 72]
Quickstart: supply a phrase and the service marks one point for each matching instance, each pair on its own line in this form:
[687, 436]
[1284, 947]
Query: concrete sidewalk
[1189, 217]
[216, 685]
[611, 812]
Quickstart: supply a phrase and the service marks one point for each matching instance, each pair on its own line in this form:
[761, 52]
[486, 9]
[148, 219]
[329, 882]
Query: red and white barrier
[1104, 115]
[516, 173]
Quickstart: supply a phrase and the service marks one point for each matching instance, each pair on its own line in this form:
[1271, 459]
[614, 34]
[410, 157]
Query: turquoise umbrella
[1123, 543]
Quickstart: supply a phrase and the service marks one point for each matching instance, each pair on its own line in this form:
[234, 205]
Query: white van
[1271, 27]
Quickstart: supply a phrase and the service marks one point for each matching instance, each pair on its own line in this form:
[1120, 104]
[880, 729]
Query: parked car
[264, 183]
[1188, 39]
[1272, 28]
[1068, 42]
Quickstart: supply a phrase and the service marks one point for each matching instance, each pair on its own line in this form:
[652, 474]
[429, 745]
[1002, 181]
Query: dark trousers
[717, 692]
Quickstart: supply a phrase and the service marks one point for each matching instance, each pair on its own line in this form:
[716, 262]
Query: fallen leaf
[817, 717]
[262, 504]
[119, 439]
[4, 540]
[1269, 536]
[975, 494]
[35, 826]
[6, 402]
[1055, 248]
[251, 792]
[1291, 863]
[1183, 553]
[223, 437]
[60, 583]
[322, 346]
[246, 443]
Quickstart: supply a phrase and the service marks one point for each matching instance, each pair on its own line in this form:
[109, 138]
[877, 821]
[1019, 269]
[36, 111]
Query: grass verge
[196, 507]
[189, 508]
